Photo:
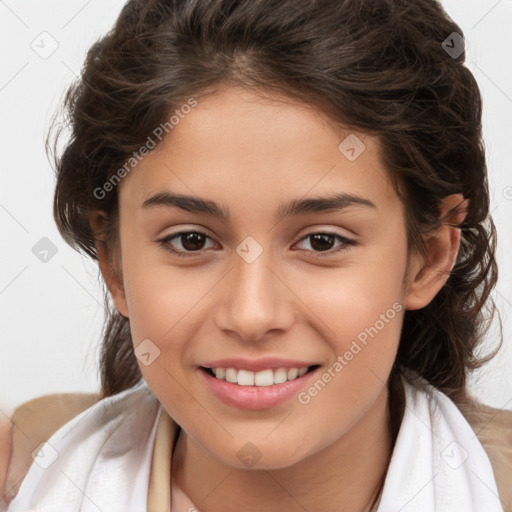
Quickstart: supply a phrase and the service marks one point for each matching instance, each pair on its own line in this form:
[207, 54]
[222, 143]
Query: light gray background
[52, 312]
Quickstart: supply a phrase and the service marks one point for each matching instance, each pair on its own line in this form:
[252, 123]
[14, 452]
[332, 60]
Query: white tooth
[231, 375]
[245, 378]
[280, 375]
[302, 371]
[292, 373]
[220, 373]
[264, 378]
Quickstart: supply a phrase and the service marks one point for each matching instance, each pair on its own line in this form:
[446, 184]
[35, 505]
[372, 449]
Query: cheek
[361, 309]
[161, 307]
[363, 336]
[160, 296]
[352, 298]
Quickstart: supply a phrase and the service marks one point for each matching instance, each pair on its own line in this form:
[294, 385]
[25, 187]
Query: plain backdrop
[50, 296]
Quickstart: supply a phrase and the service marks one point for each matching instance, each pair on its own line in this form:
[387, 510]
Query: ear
[428, 275]
[109, 262]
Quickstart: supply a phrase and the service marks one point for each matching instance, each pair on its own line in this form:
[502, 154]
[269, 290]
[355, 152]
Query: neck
[345, 477]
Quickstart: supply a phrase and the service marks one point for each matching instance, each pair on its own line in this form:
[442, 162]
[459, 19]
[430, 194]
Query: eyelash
[346, 243]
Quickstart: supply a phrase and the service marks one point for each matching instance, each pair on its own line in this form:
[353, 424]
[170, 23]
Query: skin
[250, 152]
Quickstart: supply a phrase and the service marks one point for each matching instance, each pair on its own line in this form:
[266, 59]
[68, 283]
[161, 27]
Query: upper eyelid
[204, 233]
[172, 236]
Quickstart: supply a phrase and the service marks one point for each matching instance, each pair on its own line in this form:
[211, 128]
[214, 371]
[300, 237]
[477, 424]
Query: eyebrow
[295, 207]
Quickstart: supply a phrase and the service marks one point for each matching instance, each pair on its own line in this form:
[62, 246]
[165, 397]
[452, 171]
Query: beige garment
[162, 492]
[160, 481]
[33, 423]
[159, 498]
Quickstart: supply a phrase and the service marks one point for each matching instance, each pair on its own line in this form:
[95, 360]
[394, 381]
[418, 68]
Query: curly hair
[378, 66]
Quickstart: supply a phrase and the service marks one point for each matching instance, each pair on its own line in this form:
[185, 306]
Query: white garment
[104, 459]
[438, 463]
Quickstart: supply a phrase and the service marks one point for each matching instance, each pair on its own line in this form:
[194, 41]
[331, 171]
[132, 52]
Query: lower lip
[255, 397]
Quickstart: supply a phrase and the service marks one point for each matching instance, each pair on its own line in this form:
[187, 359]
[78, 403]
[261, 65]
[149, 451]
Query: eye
[322, 243]
[191, 242]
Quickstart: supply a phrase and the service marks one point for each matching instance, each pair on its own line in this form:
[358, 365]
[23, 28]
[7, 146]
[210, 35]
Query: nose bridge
[254, 300]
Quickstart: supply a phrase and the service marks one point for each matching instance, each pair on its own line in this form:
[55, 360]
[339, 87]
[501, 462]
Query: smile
[264, 389]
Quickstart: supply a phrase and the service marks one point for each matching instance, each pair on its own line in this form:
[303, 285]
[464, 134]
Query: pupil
[192, 241]
[322, 242]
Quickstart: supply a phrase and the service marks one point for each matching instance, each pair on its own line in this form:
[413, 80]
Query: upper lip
[256, 365]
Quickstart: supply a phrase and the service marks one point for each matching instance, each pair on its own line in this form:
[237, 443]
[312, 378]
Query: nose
[254, 300]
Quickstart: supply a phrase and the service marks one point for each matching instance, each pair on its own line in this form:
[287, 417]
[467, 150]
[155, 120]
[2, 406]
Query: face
[279, 281]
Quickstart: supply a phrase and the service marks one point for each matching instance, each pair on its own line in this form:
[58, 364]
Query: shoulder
[493, 427]
[31, 424]
[5, 452]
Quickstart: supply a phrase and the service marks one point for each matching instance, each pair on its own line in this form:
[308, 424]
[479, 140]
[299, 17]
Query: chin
[261, 456]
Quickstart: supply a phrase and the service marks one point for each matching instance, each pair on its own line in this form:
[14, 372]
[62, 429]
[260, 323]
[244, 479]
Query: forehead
[247, 147]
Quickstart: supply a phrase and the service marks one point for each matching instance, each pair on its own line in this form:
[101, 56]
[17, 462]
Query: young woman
[288, 203]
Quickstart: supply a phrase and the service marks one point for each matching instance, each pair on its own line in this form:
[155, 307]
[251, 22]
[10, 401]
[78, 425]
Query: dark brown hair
[378, 66]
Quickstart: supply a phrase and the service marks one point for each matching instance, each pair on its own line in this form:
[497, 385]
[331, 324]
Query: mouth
[264, 389]
[263, 378]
